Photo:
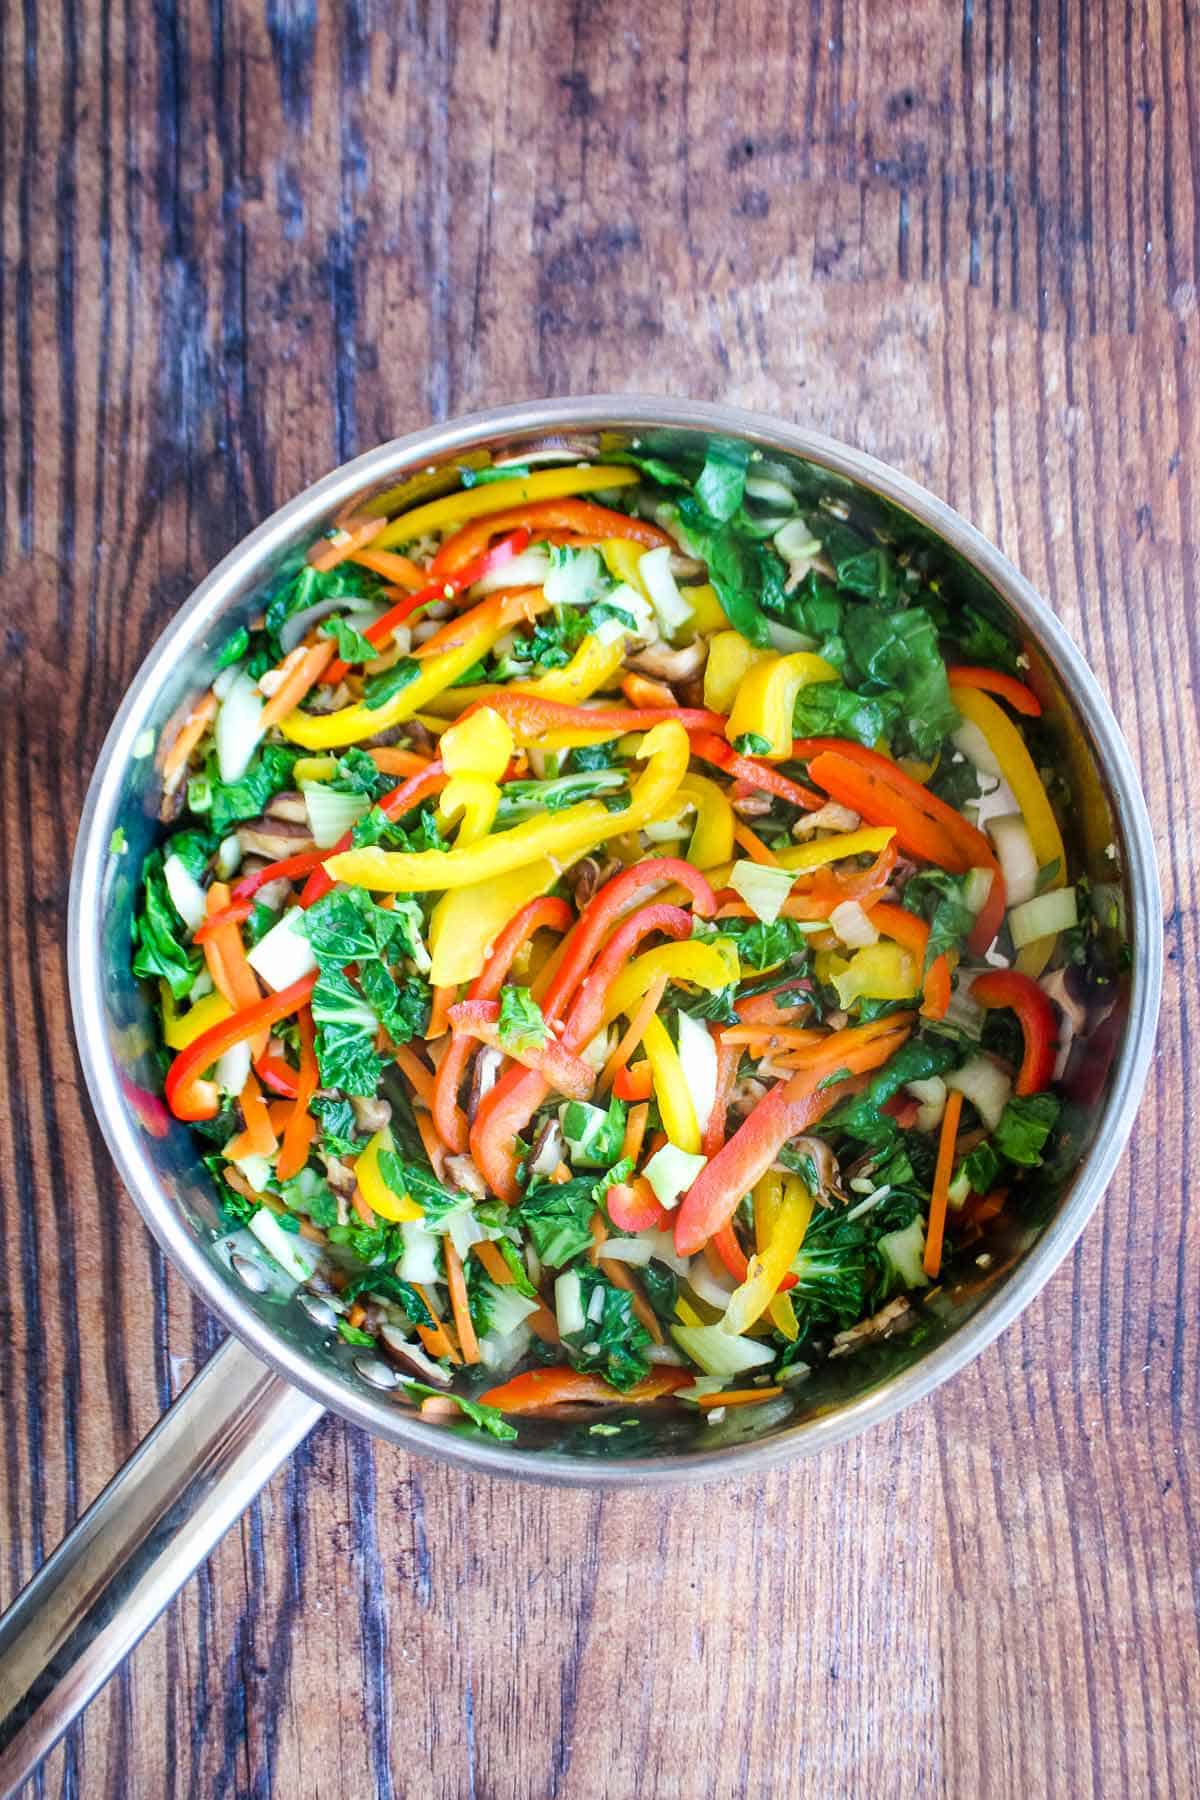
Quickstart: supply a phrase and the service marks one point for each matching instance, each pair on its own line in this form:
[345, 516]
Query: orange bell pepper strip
[532, 717]
[786, 1111]
[187, 1094]
[906, 928]
[755, 774]
[1021, 698]
[258, 1139]
[225, 955]
[301, 1126]
[940, 1195]
[582, 517]
[538, 1389]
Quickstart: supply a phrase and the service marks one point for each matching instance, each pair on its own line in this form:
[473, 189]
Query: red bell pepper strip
[401, 800]
[757, 775]
[1021, 698]
[506, 1110]
[579, 516]
[634, 1206]
[530, 716]
[190, 1097]
[443, 589]
[605, 908]
[881, 792]
[780, 1005]
[239, 908]
[538, 1389]
[301, 1126]
[1039, 1022]
[786, 1111]
[911, 931]
[545, 913]
[635, 1082]
[559, 1069]
[278, 1075]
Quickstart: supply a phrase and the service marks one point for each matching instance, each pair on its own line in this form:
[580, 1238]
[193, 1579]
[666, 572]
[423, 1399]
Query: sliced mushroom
[275, 838]
[412, 1357]
[686, 568]
[1073, 1014]
[329, 699]
[825, 1167]
[287, 805]
[670, 665]
[587, 877]
[830, 817]
[896, 1316]
[340, 1176]
[173, 797]
[547, 1150]
[463, 1175]
[370, 1113]
[557, 448]
[484, 1071]
[752, 806]
[419, 738]
[746, 1095]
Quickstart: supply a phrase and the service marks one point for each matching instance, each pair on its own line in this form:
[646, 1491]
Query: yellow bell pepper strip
[467, 921]
[560, 836]
[708, 615]
[671, 1088]
[442, 660]
[500, 496]
[481, 745]
[182, 1029]
[730, 659]
[712, 834]
[595, 664]
[1017, 769]
[883, 971]
[708, 964]
[868, 840]
[621, 559]
[374, 1189]
[474, 802]
[766, 700]
[771, 1262]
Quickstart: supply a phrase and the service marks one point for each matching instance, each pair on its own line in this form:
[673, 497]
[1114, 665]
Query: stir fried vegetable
[577, 946]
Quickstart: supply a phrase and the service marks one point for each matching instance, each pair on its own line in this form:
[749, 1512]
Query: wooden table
[240, 243]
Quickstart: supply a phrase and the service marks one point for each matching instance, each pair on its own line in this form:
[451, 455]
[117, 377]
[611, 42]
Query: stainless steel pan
[266, 1388]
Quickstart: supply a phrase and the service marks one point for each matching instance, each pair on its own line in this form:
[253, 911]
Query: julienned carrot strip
[435, 1150]
[456, 1282]
[257, 1139]
[738, 1397]
[295, 685]
[349, 538]
[190, 733]
[634, 1034]
[635, 1132]
[392, 566]
[436, 1339]
[301, 1126]
[753, 845]
[790, 1037]
[358, 1202]
[420, 1078]
[939, 1199]
[492, 1263]
[620, 1277]
[599, 1231]
[356, 1315]
[991, 681]
[390, 760]
[439, 1022]
[225, 956]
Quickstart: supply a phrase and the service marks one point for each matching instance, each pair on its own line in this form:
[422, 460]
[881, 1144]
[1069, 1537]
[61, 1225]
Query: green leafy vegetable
[487, 1418]
[335, 1118]
[352, 646]
[938, 898]
[345, 1039]
[831, 709]
[898, 651]
[614, 1343]
[379, 689]
[389, 1287]
[557, 1216]
[722, 480]
[353, 1335]
[422, 1186]
[660, 1285]
[1024, 1126]
[234, 647]
[862, 1115]
[521, 1025]
[269, 772]
[159, 951]
[309, 586]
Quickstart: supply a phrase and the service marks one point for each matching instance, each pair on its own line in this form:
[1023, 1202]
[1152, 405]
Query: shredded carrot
[435, 1150]
[620, 1277]
[279, 1112]
[439, 1012]
[634, 1033]
[257, 1139]
[356, 1315]
[456, 1282]
[738, 1397]
[390, 760]
[635, 1132]
[599, 1231]
[753, 845]
[492, 1263]
[543, 1324]
[225, 958]
[795, 1037]
[420, 1078]
[358, 1202]
[639, 691]
[436, 1339]
[350, 537]
[301, 1126]
[560, 1174]
[304, 674]
[189, 736]
[941, 1184]
[393, 567]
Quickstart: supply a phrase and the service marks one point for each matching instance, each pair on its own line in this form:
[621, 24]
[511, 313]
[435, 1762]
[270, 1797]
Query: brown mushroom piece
[752, 806]
[463, 1175]
[665, 664]
[896, 1316]
[328, 699]
[484, 1071]
[830, 817]
[275, 838]
[413, 1358]
[586, 877]
[288, 805]
[824, 1167]
[370, 1113]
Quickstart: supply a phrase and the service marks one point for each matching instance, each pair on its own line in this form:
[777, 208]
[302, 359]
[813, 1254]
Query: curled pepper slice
[190, 1097]
[560, 836]
[523, 492]
[538, 1389]
[565, 1073]
[1039, 1022]
[766, 699]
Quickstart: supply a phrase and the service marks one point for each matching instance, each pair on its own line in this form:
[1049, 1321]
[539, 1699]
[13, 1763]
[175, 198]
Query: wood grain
[240, 242]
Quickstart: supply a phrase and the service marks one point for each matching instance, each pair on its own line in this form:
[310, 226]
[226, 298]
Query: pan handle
[136, 1545]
